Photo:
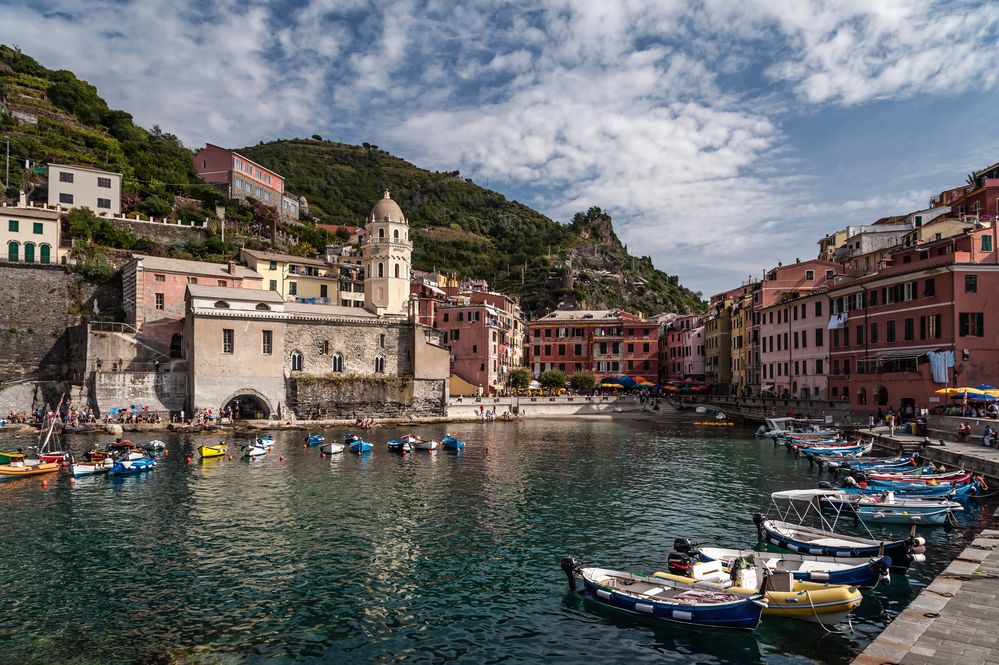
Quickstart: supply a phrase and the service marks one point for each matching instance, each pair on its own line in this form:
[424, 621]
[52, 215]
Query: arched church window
[381, 233]
[296, 361]
[379, 365]
[337, 364]
[397, 270]
[381, 269]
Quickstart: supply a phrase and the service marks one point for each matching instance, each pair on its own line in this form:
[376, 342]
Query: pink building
[800, 277]
[154, 288]
[485, 334]
[239, 177]
[682, 349]
[889, 328]
[794, 347]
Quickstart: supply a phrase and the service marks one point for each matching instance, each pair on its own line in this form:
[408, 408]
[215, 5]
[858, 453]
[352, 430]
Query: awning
[898, 355]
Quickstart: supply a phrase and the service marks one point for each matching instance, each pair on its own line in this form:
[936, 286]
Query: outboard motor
[849, 481]
[570, 566]
[758, 521]
[679, 564]
[685, 546]
[825, 485]
[859, 476]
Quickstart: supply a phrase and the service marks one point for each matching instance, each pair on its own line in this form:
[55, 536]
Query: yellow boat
[827, 604]
[21, 470]
[7, 458]
[208, 452]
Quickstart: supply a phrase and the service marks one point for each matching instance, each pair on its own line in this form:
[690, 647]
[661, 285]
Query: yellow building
[296, 277]
[741, 342]
[30, 235]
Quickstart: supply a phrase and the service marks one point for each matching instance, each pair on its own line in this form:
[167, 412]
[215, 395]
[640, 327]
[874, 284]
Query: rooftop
[81, 167]
[196, 267]
[229, 293]
[581, 314]
[283, 258]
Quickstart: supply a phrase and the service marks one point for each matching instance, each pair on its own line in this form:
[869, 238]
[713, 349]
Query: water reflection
[388, 557]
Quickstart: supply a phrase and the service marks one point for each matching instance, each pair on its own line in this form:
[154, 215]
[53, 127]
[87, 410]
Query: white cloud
[667, 114]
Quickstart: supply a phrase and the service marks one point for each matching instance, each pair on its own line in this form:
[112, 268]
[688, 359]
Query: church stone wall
[358, 342]
[334, 397]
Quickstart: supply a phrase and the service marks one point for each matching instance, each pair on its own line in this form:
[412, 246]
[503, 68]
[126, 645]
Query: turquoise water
[382, 558]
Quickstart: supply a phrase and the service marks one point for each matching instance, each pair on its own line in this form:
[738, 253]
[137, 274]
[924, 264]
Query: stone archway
[247, 403]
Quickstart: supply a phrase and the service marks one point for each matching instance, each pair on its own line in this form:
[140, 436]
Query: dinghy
[154, 446]
[77, 469]
[452, 443]
[253, 450]
[787, 597]
[887, 508]
[824, 540]
[23, 470]
[332, 447]
[401, 445]
[132, 467]
[665, 600]
[312, 439]
[357, 445]
[210, 452]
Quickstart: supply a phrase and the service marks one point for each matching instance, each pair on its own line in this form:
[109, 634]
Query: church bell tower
[387, 255]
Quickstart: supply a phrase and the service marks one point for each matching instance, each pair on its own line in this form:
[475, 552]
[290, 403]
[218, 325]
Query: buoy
[45, 483]
[323, 455]
[305, 445]
[230, 458]
[166, 453]
[188, 459]
[281, 458]
[72, 480]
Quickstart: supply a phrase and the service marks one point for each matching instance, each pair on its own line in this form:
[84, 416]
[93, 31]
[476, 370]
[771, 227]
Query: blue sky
[721, 136]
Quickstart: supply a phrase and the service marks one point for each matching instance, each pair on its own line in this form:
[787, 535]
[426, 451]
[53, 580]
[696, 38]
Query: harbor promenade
[953, 621]
[971, 455]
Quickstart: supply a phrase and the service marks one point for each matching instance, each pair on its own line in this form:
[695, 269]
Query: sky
[721, 136]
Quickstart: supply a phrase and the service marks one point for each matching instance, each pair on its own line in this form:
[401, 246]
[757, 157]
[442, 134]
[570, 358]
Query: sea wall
[530, 407]
[163, 392]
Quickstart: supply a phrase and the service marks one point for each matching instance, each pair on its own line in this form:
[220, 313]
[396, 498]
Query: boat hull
[741, 614]
[90, 468]
[793, 538]
[360, 447]
[8, 471]
[806, 568]
[131, 467]
[210, 452]
[332, 448]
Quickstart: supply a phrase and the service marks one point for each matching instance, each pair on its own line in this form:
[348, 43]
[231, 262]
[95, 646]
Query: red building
[940, 297]
[238, 177]
[603, 342]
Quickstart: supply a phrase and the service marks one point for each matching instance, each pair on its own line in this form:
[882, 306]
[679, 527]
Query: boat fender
[820, 576]
[918, 540]
[918, 558]
[570, 566]
[918, 549]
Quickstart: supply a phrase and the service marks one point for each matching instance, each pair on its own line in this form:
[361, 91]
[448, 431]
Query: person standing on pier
[890, 419]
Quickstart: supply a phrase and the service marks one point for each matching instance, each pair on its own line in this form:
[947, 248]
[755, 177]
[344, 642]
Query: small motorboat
[887, 508]
[20, 469]
[132, 467]
[401, 445]
[823, 539]
[254, 450]
[664, 599]
[90, 468]
[787, 597]
[267, 441]
[426, 444]
[209, 452]
[154, 446]
[804, 567]
[313, 439]
[332, 447]
[452, 443]
[55, 456]
[357, 445]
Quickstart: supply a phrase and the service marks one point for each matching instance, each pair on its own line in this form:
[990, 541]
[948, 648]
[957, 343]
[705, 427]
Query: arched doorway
[177, 346]
[881, 395]
[247, 405]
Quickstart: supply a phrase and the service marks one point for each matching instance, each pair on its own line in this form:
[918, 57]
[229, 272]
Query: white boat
[801, 426]
[90, 468]
[887, 508]
[332, 447]
[154, 446]
[426, 444]
[254, 450]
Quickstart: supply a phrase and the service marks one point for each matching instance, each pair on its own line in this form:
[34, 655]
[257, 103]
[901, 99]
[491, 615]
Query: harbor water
[427, 557]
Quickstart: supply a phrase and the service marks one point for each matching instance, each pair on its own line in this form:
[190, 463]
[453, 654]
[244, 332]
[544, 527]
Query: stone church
[252, 351]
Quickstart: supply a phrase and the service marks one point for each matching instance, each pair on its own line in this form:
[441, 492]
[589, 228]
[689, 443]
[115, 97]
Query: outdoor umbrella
[974, 396]
[984, 387]
[627, 382]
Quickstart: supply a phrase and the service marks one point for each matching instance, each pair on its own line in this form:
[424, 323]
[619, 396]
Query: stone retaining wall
[366, 397]
[161, 392]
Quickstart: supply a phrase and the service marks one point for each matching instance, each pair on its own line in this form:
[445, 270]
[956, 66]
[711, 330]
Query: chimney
[797, 260]
[232, 268]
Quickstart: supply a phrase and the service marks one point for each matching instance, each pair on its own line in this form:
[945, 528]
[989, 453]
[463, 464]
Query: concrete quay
[953, 621]
[971, 456]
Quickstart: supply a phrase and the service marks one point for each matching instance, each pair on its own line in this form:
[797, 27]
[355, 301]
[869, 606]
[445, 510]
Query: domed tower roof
[387, 210]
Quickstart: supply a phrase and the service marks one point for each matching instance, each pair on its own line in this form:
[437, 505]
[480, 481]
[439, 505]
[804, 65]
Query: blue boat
[132, 467]
[452, 443]
[357, 445]
[402, 445]
[314, 439]
[823, 539]
[665, 600]
[959, 493]
[808, 568]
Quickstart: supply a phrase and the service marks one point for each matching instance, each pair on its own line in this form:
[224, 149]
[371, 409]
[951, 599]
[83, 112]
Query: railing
[390, 241]
[113, 326]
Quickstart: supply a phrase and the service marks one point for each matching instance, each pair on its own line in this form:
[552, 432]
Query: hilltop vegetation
[458, 227]
[463, 228]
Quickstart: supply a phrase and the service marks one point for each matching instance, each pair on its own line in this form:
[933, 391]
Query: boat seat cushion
[708, 570]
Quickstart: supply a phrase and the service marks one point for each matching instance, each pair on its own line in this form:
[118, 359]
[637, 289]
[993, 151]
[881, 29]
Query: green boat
[7, 458]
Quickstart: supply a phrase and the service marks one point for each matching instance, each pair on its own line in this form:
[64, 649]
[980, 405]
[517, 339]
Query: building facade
[927, 322]
[154, 290]
[84, 187]
[387, 259]
[239, 177]
[296, 278]
[602, 342]
[682, 345]
[793, 347]
[30, 235]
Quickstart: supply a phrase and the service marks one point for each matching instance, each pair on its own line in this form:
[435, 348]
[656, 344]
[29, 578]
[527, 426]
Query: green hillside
[461, 227]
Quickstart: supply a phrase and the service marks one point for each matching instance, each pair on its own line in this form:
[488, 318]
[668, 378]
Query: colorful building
[793, 347]
[154, 288]
[682, 349]
[30, 234]
[239, 177]
[295, 278]
[887, 329]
